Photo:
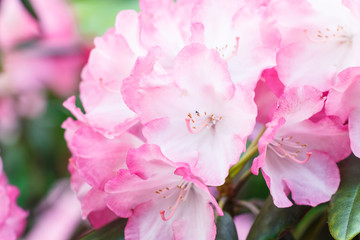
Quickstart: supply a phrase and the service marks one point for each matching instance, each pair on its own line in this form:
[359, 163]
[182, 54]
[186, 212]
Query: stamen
[308, 155]
[108, 89]
[162, 213]
[279, 149]
[235, 49]
[340, 35]
[205, 124]
[319, 40]
[227, 52]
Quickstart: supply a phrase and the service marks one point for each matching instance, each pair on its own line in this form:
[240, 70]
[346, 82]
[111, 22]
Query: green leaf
[225, 228]
[30, 9]
[273, 222]
[96, 17]
[112, 231]
[344, 211]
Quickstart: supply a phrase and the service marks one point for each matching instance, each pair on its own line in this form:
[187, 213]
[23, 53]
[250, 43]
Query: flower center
[228, 51]
[182, 190]
[197, 122]
[286, 148]
[336, 34]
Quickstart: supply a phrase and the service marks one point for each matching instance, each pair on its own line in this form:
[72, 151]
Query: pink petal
[354, 131]
[299, 104]
[243, 223]
[310, 184]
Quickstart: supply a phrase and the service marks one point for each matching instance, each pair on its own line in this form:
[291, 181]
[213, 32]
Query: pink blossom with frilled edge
[109, 63]
[298, 155]
[194, 113]
[165, 24]
[95, 160]
[12, 217]
[319, 39]
[343, 102]
[241, 33]
[162, 199]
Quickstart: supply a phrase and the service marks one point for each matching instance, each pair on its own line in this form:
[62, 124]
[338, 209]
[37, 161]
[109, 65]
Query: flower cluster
[12, 217]
[35, 54]
[171, 95]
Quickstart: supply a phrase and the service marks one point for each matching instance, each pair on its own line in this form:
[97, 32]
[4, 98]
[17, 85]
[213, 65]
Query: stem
[256, 140]
[250, 152]
[240, 164]
[249, 206]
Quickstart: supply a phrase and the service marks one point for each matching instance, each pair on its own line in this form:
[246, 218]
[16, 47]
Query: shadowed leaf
[112, 231]
[273, 222]
[30, 8]
[344, 211]
[225, 228]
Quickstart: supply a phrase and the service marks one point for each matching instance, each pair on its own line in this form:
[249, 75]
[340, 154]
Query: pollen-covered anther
[339, 35]
[197, 122]
[228, 51]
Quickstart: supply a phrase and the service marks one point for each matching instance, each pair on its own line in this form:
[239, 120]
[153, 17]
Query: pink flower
[36, 56]
[12, 217]
[162, 199]
[342, 101]
[59, 215]
[161, 23]
[54, 56]
[267, 91]
[91, 199]
[95, 160]
[299, 155]
[166, 24]
[242, 34]
[110, 62]
[313, 32]
[196, 112]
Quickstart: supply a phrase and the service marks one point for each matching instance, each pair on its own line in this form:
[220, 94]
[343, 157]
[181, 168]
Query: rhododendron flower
[267, 91]
[54, 56]
[194, 113]
[162, 199]
[59, 214]
[242, 34]
[36, 55]
[342, 102]
[319, 39]
[115, 54]
[299, 155]
[12, 217]
[166, 24]
[95, 160]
